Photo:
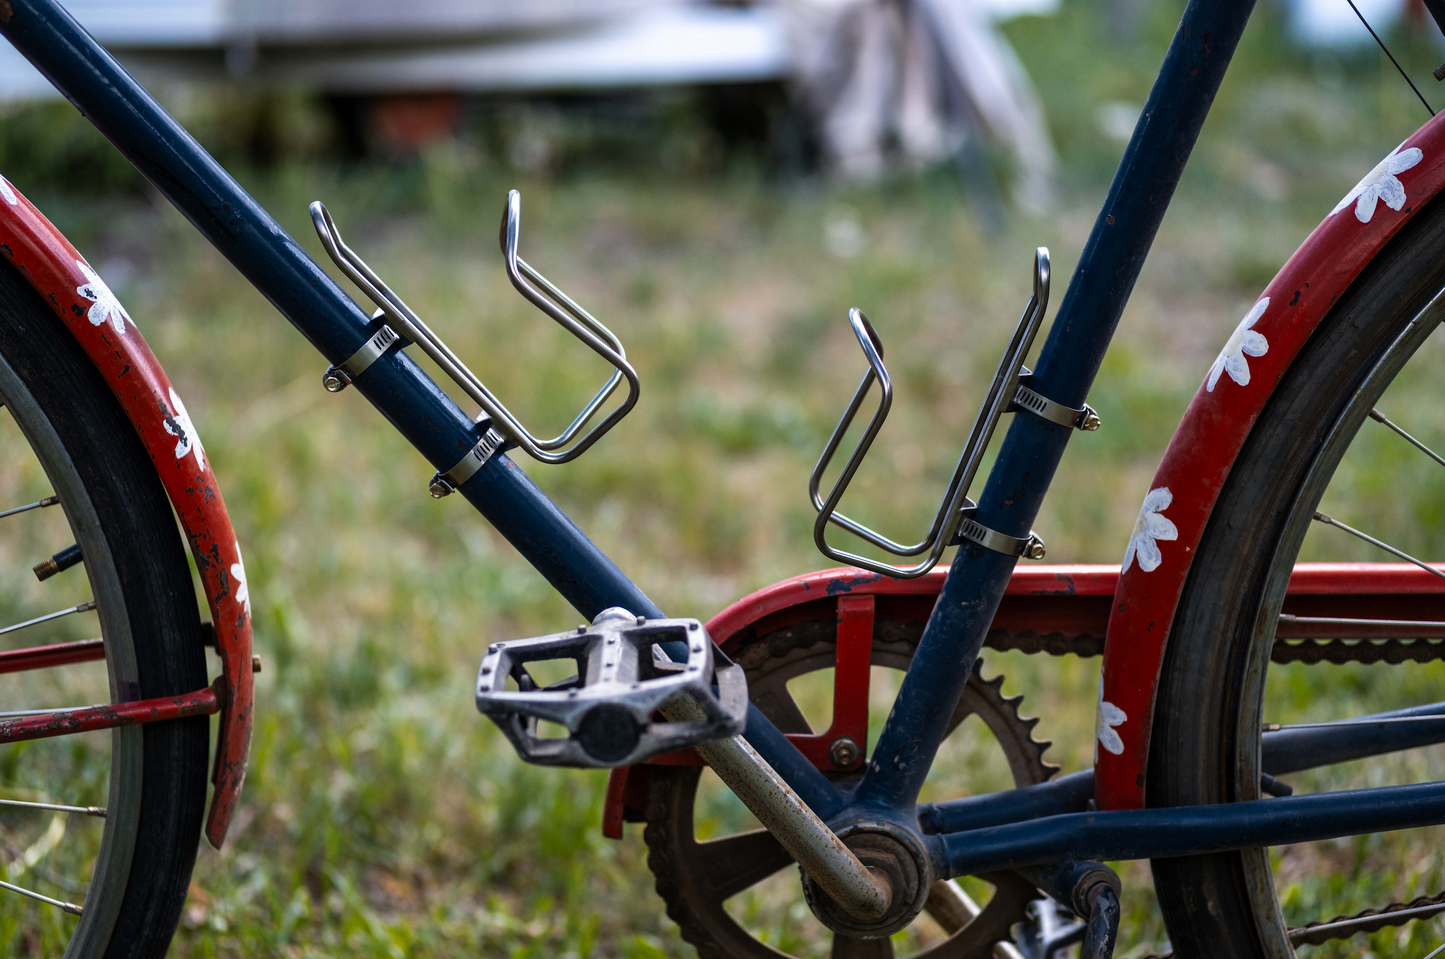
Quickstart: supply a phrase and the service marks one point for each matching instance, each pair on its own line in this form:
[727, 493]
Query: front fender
[110, 338]
[1207, 442]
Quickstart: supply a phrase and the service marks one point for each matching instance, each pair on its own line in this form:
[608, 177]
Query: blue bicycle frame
[967, 836]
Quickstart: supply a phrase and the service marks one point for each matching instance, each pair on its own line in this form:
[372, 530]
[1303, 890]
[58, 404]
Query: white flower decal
[7, 193]
[1244, 340]
[1381, 184]
[178, 424]
[1105, 720]
[104, 306]
[238, 572]
[1148, 529]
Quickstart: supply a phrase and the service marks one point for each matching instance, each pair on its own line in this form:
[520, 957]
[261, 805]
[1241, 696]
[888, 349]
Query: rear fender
[1204, 448]
[110, 338]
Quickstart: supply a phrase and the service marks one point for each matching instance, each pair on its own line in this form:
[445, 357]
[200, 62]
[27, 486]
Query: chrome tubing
[561, 308]
[955, 501]
[831, 864]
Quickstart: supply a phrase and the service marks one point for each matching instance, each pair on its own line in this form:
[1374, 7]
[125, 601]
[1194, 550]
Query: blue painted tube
[305, 294]
[1066, 794]
[1194, 830]
[1068, 362]
[1290, 750]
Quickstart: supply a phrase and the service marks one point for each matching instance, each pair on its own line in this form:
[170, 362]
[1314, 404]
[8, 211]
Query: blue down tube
[305, 294]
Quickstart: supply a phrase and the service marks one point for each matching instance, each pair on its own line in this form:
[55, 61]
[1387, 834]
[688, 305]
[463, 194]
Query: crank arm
[831, 864]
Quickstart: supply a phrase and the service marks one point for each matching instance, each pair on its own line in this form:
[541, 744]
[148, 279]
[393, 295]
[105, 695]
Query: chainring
[696, 878]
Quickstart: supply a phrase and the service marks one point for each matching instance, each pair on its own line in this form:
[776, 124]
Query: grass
[382, 816]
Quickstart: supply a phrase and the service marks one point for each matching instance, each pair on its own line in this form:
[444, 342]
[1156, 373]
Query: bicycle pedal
[607, 708]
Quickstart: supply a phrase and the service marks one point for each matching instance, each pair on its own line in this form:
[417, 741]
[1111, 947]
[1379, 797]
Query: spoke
[776, 703]
[38, 504]
[71, 908]
[1357, 628]
[51, 711]
[98, 811]
[846, 947]
[950, 906]
[1276, 727]
[742, 861]
[1331, 521]
[1379, 417]
[83, 607]
[1343, 928]
[1436, 951]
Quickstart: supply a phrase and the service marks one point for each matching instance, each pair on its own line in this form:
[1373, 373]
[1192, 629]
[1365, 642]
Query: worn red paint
[1207, 442]
[44, 657]
[67, 722]
[850, 685]
[52, 266]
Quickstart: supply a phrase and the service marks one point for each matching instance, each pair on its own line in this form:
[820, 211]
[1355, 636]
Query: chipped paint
[93, 315]
[1216, 425]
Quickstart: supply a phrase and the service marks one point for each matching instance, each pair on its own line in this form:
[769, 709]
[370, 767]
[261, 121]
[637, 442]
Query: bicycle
[1185, 757]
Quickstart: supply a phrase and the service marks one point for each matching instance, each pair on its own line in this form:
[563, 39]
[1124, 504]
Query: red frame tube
[67, 722]
[44, 657]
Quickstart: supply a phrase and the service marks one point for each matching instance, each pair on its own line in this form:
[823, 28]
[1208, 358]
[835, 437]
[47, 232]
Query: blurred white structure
[880, 78]
[919, 77]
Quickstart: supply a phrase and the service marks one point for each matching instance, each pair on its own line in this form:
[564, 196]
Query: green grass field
[382, 816]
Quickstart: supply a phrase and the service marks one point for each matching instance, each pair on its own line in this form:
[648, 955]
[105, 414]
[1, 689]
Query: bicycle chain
[1308, 651]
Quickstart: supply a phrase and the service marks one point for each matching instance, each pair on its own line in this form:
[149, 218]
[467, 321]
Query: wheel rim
[1259, 871]
[110, 872]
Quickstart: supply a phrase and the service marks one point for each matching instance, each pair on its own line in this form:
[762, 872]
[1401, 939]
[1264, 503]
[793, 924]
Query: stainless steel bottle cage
[537, 290]
[954, 521]
[622, 680]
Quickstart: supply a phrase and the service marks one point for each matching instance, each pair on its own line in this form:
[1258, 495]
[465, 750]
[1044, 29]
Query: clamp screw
[844, 752]
[440, 486]
[1090, 420]
[1034, 547]
[335, 379]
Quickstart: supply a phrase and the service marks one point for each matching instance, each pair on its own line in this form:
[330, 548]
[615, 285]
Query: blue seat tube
[1193, 68]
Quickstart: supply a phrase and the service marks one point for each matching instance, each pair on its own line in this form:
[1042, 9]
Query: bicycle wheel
[1219, 685]
[129, 870]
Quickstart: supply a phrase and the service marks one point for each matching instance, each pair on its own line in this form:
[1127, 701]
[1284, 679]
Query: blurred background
[719, 183]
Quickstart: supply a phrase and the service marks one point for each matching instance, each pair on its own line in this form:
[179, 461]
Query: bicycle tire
[1212, 679]
[149, 619]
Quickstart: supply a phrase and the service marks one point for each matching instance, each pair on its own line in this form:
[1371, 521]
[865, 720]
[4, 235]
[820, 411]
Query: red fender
[112, 341]
[1209, 438]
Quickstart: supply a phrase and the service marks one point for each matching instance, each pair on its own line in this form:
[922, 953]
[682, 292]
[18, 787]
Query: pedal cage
[608, 708]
